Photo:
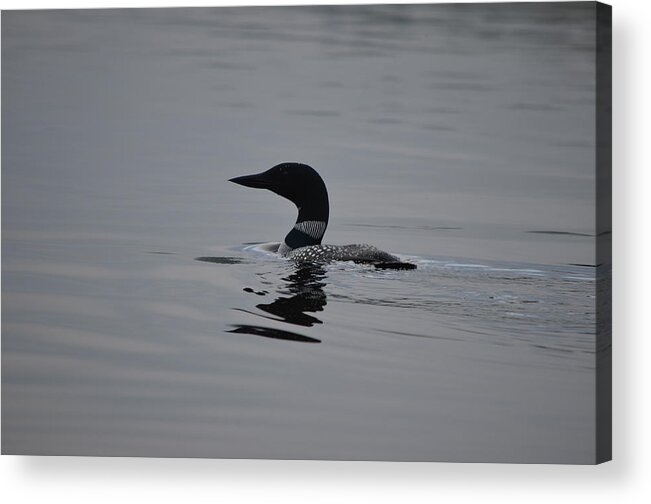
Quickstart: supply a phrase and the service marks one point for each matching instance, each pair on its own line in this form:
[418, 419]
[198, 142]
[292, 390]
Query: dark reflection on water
[220, 260]
[305, 295]
[389, 226]
[269, 332]
[564, 233]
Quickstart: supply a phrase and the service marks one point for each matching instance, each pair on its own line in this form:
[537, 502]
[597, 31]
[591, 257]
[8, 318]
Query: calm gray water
[458, 137]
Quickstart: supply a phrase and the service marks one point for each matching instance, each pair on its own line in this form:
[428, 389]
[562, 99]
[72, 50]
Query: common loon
[304, 187]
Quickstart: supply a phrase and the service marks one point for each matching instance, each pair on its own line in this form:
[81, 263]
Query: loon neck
[310, 225]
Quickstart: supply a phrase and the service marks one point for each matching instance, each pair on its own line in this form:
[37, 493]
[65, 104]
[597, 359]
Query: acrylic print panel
[471, 141]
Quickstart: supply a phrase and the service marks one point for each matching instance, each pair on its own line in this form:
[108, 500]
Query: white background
[626, 479]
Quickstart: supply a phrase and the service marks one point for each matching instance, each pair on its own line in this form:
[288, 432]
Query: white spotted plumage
[321, 253]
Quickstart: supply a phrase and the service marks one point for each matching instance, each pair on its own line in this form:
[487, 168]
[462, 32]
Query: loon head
[297, 182]
[304, 187]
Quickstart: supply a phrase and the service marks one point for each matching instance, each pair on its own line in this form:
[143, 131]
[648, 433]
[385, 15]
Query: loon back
[304, 187]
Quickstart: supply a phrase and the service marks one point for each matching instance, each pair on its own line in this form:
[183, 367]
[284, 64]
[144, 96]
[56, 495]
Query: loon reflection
[270, 332]
[306, 295]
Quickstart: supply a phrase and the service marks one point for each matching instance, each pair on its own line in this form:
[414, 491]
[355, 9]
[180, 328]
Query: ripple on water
[544, 306]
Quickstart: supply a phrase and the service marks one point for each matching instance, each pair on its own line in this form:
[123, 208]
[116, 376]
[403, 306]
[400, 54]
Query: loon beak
[258, 181]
